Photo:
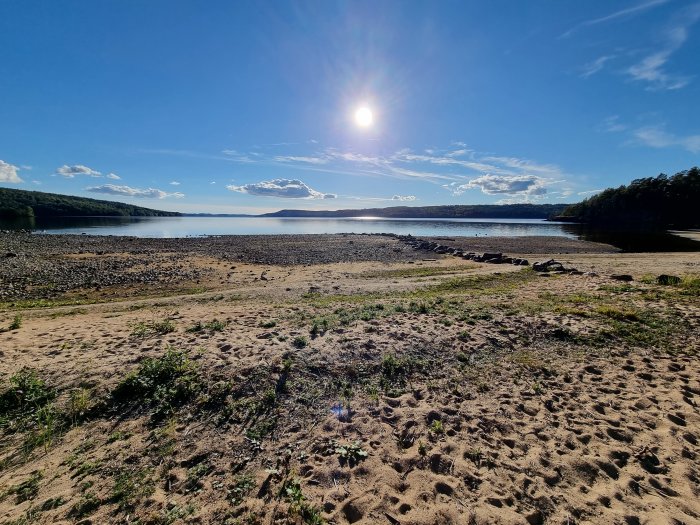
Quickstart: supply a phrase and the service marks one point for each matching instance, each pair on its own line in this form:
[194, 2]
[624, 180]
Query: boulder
[668, 280]
[622, 277]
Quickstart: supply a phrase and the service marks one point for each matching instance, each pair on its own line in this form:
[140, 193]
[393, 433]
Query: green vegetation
[22, 203]
[298, 506]
[143, 328]
[131, 486]
[26, 404]
[659, 202]
[162, 384]
[351, 453]
[300, 342]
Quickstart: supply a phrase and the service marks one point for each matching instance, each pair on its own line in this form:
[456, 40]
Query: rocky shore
[40, 266]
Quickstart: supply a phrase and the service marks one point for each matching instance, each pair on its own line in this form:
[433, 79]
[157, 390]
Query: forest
[21, 203]
[653, 202]
[474, 211]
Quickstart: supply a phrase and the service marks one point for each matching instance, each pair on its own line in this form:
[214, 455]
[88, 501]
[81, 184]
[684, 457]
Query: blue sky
[244, 107]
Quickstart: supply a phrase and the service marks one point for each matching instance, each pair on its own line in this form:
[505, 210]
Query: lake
[159, 227]
[199, 226]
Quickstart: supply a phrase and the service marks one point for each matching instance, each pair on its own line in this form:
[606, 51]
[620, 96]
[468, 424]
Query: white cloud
[37, 182]
[25, 167]
[651, 68]
[308, 160]
[8, 173]
[404, 198]
[78, 169]
[623, 13]
[127, 191]
[593, 67]
[174, 183]
[612, 125]
[498, 184]
[286, 188]
[589, 192]
[113, 176]
[658, 137]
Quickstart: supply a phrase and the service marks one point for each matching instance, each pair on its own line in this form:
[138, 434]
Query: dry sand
[480, 393]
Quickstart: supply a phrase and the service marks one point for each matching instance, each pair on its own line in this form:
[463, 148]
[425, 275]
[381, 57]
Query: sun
[364, 117]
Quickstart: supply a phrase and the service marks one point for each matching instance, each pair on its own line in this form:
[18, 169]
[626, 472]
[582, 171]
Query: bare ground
[399, 387]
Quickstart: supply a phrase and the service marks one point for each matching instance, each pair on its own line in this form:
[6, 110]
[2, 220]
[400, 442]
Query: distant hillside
[476, 211]
[21, 203]
[653, 202]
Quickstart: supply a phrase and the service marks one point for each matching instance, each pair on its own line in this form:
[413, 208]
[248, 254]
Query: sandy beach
[346, 379]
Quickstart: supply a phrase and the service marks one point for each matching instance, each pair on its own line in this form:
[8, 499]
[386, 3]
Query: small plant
[436, 427]
[130, 486]
[300, 342]
[52, 503]
[78, 404]
[241, 487]
[268, 324]
[422, 449]
[298, 506]
[118, 436]
[351, 453]
[475, 455]
[16, 323]
[164, 383]
[28, 489]
[142, 329]
[86, 505]
[195, 475]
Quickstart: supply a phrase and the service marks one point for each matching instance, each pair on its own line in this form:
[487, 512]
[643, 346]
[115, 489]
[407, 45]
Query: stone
[622, 277]
[668, 280]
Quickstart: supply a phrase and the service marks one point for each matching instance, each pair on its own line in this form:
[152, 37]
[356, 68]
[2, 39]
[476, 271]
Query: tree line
[22, 203]
[474, 211]
[652, 202]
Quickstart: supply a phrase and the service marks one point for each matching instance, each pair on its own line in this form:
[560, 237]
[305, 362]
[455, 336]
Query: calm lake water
[198, 226]
[635, 241]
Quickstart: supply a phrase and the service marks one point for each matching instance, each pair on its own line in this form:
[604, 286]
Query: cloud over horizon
[404, 198]
[522, 185]
[8, 173]
[284, 188]
[70, 172]
[127, 191]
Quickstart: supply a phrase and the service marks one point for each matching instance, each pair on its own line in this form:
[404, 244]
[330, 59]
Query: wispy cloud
[589, 192]
[70, 172]
[127, 191]
[622, 13]
[595, 66]
[450, 167]
[284, 188]
[612, 124]
[658, 137]
[651, 69]
[113, 176]
[174, 183]
[8, 173]
[307, 160]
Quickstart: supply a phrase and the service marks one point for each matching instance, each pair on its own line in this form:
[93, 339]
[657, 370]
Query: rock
[488, 256]
[622, 277]
[10, 254]
[668, 280]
